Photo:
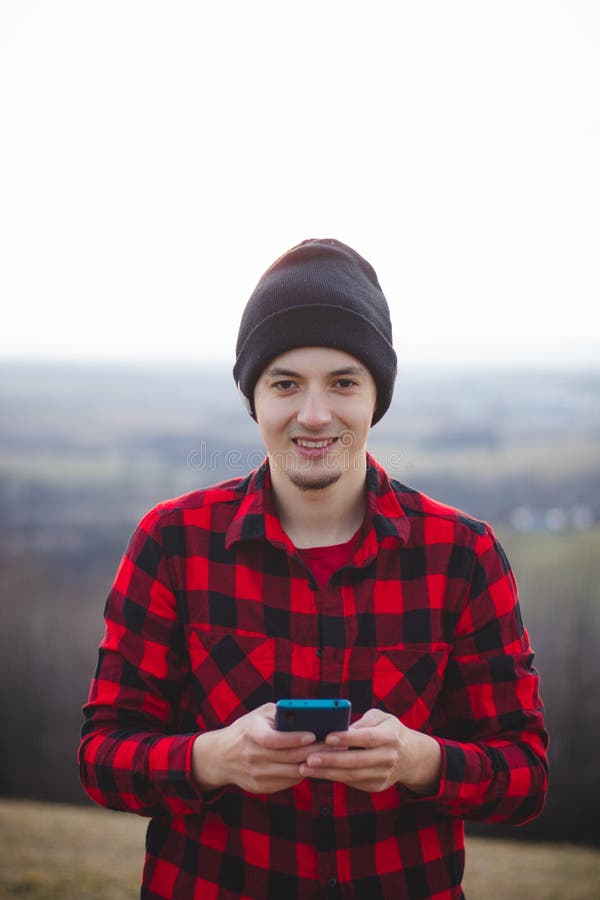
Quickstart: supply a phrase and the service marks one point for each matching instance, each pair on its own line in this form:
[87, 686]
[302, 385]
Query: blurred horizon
[487, 356]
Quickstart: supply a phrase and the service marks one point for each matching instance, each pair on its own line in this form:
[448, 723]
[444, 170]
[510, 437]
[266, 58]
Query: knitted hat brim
[318, 325]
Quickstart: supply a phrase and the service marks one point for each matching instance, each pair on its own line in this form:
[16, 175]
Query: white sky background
[156, 157]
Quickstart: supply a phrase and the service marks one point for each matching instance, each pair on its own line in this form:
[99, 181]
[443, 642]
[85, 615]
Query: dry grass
[513, 870]
[56, 852]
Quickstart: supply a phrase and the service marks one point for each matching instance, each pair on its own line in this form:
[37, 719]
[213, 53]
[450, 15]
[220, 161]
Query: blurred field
[59, 852]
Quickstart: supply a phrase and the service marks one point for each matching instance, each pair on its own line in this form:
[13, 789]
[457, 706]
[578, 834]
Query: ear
[246, 403]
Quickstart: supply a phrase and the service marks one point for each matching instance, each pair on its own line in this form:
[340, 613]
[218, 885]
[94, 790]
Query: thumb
[371, 717]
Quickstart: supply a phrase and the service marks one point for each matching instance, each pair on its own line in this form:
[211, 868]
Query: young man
[315, 576]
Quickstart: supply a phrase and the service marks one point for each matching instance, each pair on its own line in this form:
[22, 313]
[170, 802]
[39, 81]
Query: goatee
[318, 483]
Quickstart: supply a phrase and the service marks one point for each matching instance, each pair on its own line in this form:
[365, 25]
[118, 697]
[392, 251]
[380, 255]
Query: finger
[363, 737]
[282, 740]
[355, 776]
[294, 755]
[278, 771]
[350, 759]
[371, 718]
[267, 710]
[374, 728]
[272, 778]
[263, 732]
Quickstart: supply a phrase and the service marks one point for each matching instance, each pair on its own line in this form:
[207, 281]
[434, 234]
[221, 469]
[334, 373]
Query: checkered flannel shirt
[213, 613]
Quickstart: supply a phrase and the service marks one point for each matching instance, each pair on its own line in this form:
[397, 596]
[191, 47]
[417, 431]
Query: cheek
[270, 422]
[361, 419]
[267, 434]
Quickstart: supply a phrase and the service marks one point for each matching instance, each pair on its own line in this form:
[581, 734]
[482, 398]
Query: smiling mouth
[314, 444]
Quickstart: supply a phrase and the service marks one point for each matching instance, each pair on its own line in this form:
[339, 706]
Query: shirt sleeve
[131, 755]
[493, 741]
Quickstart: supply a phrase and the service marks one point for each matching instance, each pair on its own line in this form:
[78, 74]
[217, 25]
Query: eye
[285, 385]
[346, 383]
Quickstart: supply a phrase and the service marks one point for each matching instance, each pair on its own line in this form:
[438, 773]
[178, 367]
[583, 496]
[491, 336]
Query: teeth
[313, 445]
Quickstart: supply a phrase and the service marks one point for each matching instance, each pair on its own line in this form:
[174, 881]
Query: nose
[314, 412]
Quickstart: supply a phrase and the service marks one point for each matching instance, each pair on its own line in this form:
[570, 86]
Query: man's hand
[251, 754]
[390, 753]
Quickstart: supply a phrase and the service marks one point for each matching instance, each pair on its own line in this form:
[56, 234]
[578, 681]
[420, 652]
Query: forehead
[315, 359]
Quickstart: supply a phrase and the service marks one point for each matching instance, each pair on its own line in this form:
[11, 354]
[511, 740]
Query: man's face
[314, 408]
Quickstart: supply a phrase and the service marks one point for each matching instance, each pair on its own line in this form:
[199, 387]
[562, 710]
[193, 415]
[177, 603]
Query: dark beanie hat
[320, 293]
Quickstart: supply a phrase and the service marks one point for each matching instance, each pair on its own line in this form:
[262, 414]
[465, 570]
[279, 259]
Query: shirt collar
[257, 518]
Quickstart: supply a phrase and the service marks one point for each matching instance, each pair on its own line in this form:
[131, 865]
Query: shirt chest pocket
[407, 682]
[232, 673]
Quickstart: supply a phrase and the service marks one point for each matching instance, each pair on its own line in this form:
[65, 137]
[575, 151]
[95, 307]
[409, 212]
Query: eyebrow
[277, 371]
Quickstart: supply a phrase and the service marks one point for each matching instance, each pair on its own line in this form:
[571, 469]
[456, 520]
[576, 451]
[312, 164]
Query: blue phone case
[318, 716]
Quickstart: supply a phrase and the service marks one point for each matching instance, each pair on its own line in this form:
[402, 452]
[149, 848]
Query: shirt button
[319, 651]
[331, 882]
[325, 811]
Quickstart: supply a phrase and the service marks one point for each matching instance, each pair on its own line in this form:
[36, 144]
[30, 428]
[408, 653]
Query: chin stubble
[314, 484]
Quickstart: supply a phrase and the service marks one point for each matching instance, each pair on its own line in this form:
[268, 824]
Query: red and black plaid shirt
[213, 613]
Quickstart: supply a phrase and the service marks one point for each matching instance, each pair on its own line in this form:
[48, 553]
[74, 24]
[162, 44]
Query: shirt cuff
[464, 776]
[170, 773]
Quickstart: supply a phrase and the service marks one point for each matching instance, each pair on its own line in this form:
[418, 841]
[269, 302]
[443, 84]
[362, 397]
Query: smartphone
[318, 716]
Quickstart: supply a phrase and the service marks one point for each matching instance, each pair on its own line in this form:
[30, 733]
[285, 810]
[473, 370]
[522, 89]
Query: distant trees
[51, 627]
[559, 584]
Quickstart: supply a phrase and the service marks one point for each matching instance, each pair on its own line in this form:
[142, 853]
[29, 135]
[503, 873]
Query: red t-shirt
[324, 561]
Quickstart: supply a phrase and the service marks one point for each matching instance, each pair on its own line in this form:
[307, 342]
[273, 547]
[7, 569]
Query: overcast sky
[156, 157]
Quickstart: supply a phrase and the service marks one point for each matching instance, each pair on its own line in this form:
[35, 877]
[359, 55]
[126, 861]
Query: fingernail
[308, 739]
[332, 739]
